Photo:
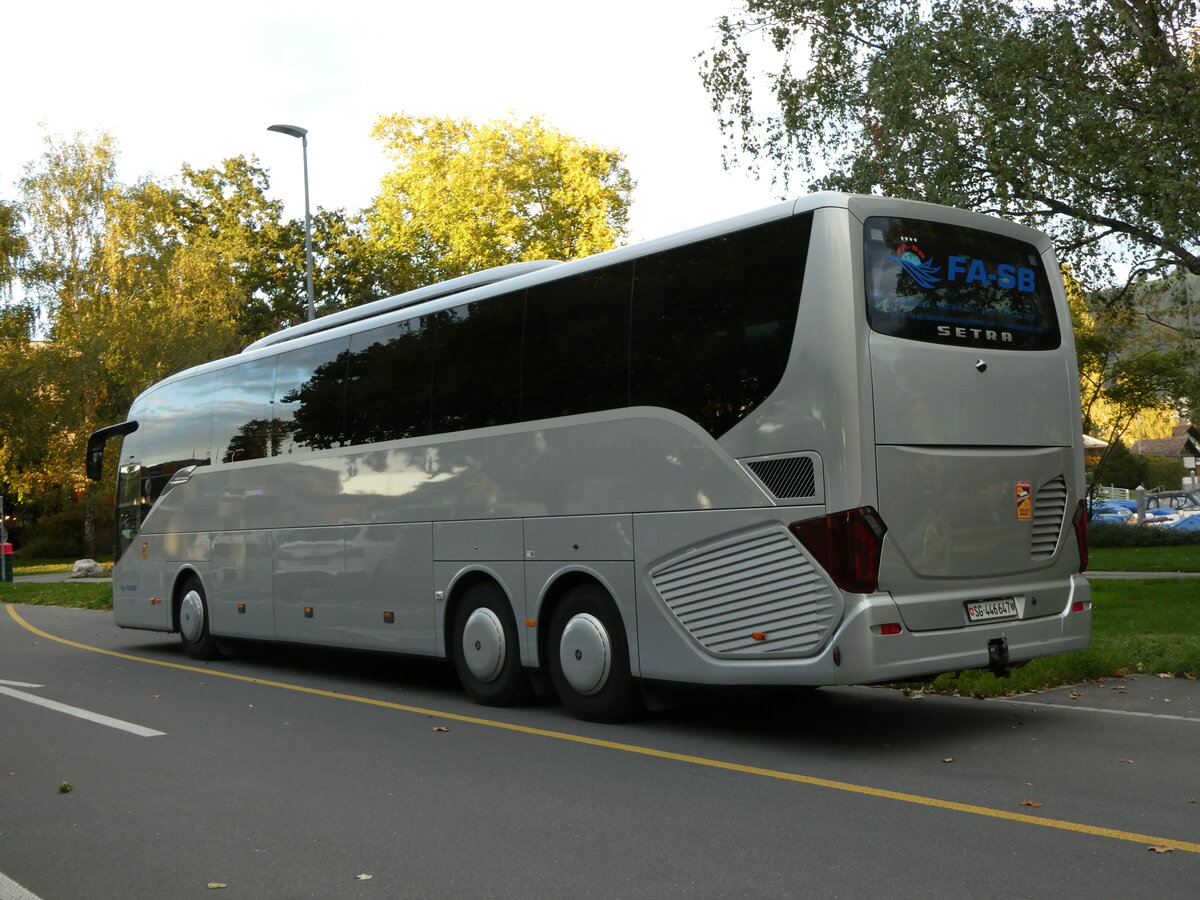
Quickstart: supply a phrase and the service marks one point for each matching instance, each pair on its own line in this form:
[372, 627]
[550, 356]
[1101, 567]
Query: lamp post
[302, 133]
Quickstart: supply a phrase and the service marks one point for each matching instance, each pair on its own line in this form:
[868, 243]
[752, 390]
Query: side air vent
[753, 595]
[791, 477]
[1049, 509]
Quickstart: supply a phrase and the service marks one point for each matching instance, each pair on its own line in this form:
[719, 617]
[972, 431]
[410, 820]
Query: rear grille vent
[1049, 508]
[786, 477]
[754, 595]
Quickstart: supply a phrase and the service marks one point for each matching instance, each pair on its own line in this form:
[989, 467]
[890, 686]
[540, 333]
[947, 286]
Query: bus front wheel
[589, 658]
[198, 642]
[487, 651]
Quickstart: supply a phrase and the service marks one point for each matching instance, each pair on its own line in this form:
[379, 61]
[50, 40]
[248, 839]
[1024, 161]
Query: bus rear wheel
[487, 649]
[192, 615]
[588, 657]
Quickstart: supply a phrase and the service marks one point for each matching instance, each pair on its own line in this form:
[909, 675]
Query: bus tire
[487, 648]
[192, 615]
[588, 657]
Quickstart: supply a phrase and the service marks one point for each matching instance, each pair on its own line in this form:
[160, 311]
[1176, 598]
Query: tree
[1124, 373]
[130, 285]
[1077, 116]
[1120, 467]
[13, 247]
[465, 197]
[225, 218]
[66, 196]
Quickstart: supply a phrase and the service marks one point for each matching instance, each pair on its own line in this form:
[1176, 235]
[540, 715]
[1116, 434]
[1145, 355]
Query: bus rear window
[928, 281]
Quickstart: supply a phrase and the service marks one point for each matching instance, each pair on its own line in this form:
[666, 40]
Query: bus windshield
[946, 284]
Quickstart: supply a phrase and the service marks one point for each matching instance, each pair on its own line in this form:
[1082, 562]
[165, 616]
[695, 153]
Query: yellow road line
[776, 774]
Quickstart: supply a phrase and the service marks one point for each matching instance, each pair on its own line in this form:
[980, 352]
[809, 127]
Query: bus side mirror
[95, 460]
[95, 446]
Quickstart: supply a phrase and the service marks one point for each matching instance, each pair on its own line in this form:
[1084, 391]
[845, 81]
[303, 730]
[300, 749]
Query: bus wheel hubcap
[585, 654]
[483, 645]
[191, 616]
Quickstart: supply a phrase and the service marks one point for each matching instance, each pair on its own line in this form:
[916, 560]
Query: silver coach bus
[836, 441]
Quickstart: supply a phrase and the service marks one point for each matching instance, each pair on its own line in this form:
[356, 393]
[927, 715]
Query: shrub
[1167, 471]
[1121, 467]
[1143, 536]
[61, 536]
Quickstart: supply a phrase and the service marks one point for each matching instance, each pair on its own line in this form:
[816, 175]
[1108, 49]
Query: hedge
[1139, 536]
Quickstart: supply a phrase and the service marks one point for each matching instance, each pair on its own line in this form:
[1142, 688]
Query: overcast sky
[200, 82]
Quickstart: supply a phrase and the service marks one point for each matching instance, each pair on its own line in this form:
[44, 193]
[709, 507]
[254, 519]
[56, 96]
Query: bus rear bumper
[868, 656]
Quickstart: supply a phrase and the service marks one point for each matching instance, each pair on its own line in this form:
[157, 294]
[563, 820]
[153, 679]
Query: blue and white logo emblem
[915, 264]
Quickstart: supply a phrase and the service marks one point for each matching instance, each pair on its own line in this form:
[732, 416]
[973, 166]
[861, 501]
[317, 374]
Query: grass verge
[51, 566]
[1145, 559]
[77, 595]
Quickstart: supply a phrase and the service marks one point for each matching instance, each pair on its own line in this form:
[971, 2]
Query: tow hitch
[998, 657]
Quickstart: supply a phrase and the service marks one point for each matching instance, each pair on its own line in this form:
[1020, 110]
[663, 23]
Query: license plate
[988, 610]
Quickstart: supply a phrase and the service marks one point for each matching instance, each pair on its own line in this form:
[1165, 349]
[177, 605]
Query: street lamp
[302, 133]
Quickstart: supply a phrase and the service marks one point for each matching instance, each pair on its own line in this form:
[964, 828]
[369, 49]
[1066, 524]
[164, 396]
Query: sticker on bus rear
[1024, 499]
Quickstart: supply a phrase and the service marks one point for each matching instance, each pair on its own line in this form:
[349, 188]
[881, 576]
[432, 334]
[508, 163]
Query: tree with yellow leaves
[465, 197]
[1128, 382]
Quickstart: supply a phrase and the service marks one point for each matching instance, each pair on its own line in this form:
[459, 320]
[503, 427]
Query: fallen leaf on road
[1074, 695]
[64, 787]
[1031, 803]
[365, 877]
[1130, 761]
[948, 759]
[1160, 849]
[216, 885]
[441, 728]
[1166, 675]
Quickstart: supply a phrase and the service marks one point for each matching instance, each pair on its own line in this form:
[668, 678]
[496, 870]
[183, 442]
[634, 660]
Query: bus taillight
[847, 545]
[1080, 523]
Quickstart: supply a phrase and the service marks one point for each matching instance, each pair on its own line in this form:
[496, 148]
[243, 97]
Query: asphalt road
[285, 772]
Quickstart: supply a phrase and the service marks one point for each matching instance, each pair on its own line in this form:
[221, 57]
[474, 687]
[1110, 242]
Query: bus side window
[389, 382]
[713, 321]
[477, 364]
[310, 398]
[244, 426]
[129, 496]
[575, 351]
[177, 431]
